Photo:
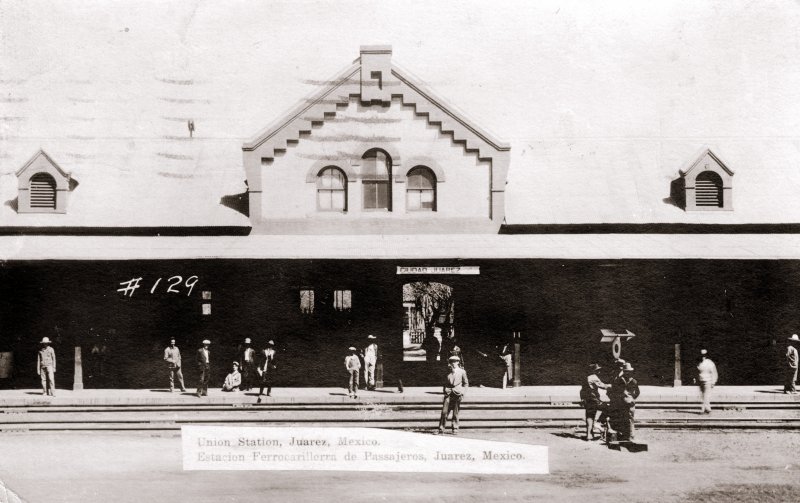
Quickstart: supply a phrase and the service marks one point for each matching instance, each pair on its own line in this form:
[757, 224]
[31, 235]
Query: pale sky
[98, 81]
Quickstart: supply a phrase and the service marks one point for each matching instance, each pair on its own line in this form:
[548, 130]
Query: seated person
[233, 380]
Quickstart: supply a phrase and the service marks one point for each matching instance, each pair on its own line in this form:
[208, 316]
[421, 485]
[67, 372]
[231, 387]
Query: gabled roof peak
[35, 156]
[696, 162]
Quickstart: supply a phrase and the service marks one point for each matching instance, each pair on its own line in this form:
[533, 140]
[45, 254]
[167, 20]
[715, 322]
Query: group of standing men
[257, 368]
[619, 410]
[352, 363]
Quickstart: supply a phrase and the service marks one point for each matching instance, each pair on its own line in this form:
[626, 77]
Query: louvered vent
[708, 190]
[43, 191]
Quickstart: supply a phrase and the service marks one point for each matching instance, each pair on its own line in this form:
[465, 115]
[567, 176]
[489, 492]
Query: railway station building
[376, 207]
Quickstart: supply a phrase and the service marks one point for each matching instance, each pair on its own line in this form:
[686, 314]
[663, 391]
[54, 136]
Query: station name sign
[459, 269]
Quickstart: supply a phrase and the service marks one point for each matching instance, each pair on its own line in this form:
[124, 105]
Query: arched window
[376, 174]
[421, 190]
[332, 189]
[708, 189]
[43, 191]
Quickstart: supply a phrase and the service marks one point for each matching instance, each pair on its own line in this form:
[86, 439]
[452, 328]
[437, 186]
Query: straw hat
[247, 340]
[45, 340]
[792, 338]
[206, 341]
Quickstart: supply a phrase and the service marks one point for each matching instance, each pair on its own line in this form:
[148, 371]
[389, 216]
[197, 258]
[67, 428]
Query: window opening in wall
[307, 301]
[376, 174]
[421, 190]
[708, 189]
[332, 190]
[342, 300]
[43, 191]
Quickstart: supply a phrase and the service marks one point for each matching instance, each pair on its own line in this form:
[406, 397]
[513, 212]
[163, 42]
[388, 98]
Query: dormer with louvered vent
[43, 186]
[708, 184]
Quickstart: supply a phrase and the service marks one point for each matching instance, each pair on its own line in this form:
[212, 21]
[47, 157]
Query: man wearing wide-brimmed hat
[46, 367]
[791, 364]
[454, 386]
[590, 395]
[172, 355]
[623, 394]
[266, 369]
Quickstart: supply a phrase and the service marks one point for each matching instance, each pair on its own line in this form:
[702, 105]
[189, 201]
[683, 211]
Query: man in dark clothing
[623, 394]
[791, 365]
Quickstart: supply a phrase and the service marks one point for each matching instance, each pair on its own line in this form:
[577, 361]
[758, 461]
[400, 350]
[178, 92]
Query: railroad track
[422, 415]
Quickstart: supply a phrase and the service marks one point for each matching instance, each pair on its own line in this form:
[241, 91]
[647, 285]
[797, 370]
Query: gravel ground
[708, 466]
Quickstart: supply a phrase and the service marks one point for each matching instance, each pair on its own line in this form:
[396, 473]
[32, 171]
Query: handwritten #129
[172, 285]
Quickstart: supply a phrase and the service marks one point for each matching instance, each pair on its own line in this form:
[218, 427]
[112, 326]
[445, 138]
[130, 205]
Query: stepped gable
[350, 82]
[373, 79]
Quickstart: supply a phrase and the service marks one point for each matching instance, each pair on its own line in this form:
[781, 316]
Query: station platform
[535, 394]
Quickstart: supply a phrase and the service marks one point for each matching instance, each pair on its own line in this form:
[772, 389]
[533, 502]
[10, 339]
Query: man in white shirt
[791, 364]
[707, 378]
[370, 360]
[353, 366]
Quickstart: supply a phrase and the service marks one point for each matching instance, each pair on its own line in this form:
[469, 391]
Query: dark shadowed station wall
[741, 311]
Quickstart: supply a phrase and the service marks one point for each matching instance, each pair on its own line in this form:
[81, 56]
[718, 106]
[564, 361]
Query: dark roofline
[226, 230]
[653, 228]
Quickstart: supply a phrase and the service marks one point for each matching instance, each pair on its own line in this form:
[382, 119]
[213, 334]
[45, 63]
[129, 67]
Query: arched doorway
[428, 321]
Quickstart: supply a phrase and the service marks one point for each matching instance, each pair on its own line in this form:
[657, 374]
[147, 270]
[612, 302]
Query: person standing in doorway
[46, 367]
[353, 366]
[248, 365]
[791, 364]
[370, 361]
[707, 379]
[455, 384]
[172, 355]
[204, 367]
[266, 370]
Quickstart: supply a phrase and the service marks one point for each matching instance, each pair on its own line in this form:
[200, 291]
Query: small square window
[206, 295]
[342, 300]
[307, 301]
[206, 309]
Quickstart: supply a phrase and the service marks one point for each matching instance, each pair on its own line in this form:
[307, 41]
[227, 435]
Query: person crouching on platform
[267, 369]
[353, 366]
[454, 386]
[233, 380]
[623, 393]
[590, 395]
